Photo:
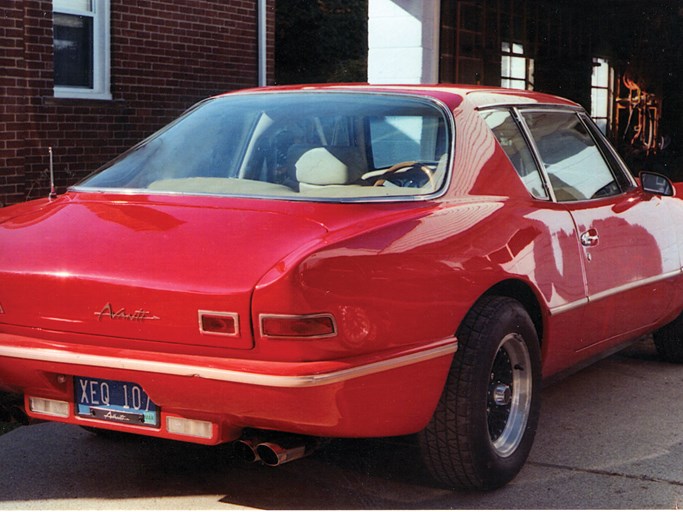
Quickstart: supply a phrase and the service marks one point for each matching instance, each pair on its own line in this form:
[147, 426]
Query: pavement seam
[603, 472]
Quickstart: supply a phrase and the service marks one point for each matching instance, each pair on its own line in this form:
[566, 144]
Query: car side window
[512, 141]
[618, 167]
[575, 166]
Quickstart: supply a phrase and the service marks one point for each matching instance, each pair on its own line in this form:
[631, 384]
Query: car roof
[488, 97]
[451, 94]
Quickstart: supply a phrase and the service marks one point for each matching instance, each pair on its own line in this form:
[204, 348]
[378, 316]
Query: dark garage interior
[621, 59]
[567, 47]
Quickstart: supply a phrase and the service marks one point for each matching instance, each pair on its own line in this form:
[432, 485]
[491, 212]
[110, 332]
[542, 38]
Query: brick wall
[165, 56]
[13, 103]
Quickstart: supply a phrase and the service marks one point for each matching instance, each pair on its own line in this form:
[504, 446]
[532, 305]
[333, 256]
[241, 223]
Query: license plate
[115, 401]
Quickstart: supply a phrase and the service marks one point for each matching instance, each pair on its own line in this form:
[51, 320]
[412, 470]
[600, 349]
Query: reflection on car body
[284, 265]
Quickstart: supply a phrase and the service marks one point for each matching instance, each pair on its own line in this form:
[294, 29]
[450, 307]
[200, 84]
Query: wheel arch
[482, 430]
[524, 293]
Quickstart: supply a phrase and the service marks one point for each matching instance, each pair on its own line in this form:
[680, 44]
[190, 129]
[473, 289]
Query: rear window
[292, 145]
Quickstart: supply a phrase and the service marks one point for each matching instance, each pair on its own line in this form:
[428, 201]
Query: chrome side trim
[569, 306]
[256, 379]
[564, 308]
[635, 284]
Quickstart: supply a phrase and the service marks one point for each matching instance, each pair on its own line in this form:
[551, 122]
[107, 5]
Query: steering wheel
[416, 174]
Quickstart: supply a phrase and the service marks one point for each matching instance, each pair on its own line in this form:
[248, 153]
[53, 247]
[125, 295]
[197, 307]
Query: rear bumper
[391, 393]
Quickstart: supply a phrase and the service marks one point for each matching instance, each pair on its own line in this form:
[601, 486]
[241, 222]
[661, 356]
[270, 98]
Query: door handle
[590, 238]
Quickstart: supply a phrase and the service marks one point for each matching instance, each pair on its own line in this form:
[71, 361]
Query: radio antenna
[53, 192]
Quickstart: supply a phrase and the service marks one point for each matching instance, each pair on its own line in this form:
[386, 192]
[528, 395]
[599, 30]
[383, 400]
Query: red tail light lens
[224, 324]
[295, 326]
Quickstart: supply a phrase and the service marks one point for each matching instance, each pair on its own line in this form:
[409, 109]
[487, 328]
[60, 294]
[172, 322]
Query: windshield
[291, 145]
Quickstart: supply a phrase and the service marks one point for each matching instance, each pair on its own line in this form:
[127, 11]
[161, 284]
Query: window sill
[56, 101]
[80, 94]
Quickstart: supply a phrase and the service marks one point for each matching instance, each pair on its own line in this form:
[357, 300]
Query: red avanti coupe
[340, 261]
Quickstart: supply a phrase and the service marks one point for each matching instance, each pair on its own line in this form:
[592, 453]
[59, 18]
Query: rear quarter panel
[407, 283]
[411, 279]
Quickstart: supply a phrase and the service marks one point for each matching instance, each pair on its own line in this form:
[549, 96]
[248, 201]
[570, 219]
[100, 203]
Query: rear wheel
[484, 425]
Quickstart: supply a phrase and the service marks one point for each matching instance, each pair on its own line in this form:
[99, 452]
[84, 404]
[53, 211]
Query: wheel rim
[509, 395]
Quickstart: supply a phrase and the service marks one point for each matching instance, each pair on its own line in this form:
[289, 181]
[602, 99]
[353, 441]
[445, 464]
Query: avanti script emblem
[139, 315]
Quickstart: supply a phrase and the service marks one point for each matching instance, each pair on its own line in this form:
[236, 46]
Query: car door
[630, 254]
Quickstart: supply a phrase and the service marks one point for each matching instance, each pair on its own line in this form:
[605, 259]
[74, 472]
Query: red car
[340, 261]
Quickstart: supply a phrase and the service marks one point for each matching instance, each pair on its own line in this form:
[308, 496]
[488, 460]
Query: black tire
[669, 341]
[484, 425]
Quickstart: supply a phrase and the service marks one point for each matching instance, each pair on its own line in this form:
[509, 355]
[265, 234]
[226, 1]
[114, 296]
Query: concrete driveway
[610, 436]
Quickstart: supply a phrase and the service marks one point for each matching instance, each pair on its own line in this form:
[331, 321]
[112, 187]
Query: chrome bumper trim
[450, 346]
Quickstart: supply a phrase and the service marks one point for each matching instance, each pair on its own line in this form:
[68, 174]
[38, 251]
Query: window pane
[517, 84]
[599, 102]
[602, 125]
[518, 68]
[575, 166]
[505, 66]
[511, 140]
[73, 44]
[600, 76]
[74, 5]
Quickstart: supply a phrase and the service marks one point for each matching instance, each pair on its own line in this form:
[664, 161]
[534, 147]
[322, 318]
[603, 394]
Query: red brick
[165, 56]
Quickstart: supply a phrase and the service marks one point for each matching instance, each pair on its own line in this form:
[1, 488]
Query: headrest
[333, 165]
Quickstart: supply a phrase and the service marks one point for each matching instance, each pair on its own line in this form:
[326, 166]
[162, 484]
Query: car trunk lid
[142, 269]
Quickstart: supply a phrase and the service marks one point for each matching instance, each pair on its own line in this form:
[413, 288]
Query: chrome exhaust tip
[246, 450]
[280, 449]
[276, 453]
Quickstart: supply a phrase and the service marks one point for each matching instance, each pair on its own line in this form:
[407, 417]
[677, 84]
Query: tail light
[215, 322]
[49, 407]
[298, 326]
[190, 428]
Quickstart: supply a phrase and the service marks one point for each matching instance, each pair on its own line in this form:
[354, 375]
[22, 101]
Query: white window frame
[602, 82]
[101, 51]
[510, 53]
